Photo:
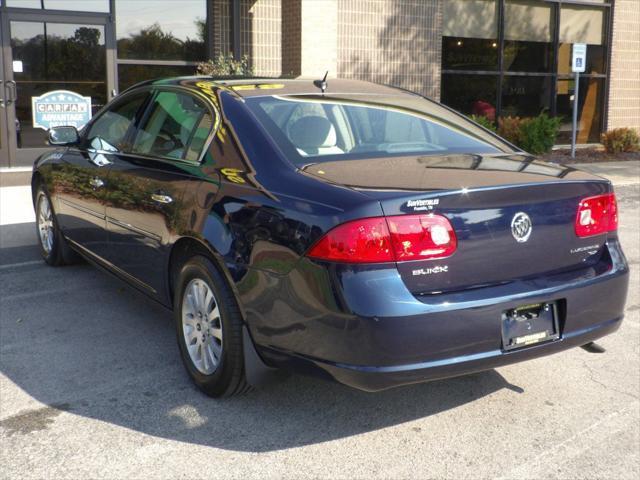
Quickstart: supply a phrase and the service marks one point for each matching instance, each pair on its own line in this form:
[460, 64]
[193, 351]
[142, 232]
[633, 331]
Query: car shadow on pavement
[78, 340]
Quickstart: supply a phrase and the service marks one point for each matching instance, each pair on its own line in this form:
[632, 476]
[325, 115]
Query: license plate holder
[529, 324]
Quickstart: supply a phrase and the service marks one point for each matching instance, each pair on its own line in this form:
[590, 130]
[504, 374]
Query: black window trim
[146, 111]
[108, 107]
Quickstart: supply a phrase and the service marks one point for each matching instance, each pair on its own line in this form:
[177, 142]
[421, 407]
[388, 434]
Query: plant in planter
[226, 66]
[484, 121]
[621, 140]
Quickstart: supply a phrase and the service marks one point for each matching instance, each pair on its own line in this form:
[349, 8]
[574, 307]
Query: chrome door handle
[11, 84]
[161, 198]
[96, 182]
[1, 93]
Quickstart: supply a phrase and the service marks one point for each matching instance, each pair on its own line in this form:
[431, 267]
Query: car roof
[255, 87]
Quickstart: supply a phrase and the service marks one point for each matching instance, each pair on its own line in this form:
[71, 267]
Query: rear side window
[109, 131]
[312, 129]
[177, 127]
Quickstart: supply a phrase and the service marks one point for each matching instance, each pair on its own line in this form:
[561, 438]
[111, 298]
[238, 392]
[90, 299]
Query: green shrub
[509, 129]
[538, 134]
[484, 121]
[621, 140]
[535, 135]
[226, 66]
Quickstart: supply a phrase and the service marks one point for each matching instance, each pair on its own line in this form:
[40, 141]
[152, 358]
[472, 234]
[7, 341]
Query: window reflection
[471, 94]
[129, 75]
[590, 102]
[470, 35]
[78, 5]
[582, 25]
[55, 56]
[525, 96]
[169, 31]
[528, 37]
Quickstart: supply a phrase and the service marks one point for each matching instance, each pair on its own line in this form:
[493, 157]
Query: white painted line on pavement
[21, 264]
[15, 169]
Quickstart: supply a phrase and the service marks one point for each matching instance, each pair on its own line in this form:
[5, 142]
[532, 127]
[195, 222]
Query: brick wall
[260, 32]
[397, 42]
[309, 37]
[291, 37]
[220, 31]
[260, 38]
[624, 89]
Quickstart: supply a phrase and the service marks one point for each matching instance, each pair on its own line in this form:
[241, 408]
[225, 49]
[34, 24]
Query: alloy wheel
[45, 224]
[202, 326]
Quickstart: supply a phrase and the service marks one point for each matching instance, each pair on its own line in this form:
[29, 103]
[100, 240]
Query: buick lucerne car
[353, 231]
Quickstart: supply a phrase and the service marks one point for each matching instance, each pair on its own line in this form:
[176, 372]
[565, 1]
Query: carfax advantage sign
[60, 108]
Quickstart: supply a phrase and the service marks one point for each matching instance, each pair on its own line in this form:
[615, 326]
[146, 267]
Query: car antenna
[322, 84]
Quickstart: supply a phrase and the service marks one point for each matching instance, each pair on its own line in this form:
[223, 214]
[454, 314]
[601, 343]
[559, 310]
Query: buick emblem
[521, 227]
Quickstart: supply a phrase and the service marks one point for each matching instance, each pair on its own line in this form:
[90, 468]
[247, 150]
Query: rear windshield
[314, 129]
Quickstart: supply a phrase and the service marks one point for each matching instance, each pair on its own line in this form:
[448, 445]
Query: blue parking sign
[60, 108]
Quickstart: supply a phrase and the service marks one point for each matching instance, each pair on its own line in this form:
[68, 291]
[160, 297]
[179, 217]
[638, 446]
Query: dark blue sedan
[359, 233]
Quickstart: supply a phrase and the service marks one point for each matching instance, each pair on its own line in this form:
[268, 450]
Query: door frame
[11, 155]
[4, 131]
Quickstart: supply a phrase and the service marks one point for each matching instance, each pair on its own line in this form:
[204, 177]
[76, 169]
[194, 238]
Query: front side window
[176, 128]
[310, 130]
[109, 131]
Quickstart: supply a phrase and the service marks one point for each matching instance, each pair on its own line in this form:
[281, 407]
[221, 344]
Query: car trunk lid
[513, 216]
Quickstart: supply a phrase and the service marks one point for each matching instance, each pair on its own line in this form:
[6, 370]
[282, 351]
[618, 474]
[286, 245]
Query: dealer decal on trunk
[420, 205]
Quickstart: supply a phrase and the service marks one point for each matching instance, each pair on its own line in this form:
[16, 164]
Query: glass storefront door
[4, 141]
[56, 71]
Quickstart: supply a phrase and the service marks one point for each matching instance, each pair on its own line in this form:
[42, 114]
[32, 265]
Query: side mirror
[63, 136]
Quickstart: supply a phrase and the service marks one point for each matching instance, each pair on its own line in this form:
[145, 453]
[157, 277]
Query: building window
[528, 37]
[579, 24]
[168, 39]
[84, 5]
[470, 35]
[513, 58]
[591, 98]
[472, 94]
[526, 96]
[129, 74]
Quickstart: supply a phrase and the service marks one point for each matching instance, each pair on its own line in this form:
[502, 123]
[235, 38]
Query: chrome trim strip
[82, 209]
[131, 228]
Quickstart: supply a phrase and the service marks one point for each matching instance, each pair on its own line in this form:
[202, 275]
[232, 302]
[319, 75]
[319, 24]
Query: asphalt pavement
[91, 386]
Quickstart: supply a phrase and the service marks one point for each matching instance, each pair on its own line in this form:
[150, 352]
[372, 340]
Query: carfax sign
[60, 108]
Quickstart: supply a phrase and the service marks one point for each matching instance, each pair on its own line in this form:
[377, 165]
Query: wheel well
[36, 179]
[182, 251]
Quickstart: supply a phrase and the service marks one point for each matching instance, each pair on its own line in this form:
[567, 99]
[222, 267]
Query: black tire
[228, 379]
[59, 252]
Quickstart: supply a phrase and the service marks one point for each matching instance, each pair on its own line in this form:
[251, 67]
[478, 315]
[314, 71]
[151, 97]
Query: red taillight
[359, 241]
[421, 237]
[387, 239]
[597, 215]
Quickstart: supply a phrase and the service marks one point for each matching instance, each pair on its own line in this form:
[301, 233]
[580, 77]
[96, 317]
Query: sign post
[578, 61]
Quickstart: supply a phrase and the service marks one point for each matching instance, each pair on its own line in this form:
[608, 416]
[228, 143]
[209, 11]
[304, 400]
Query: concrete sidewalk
[620, 173]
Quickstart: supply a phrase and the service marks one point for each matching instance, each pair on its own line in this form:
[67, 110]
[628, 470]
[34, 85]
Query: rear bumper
[367, 331]
[372, 379]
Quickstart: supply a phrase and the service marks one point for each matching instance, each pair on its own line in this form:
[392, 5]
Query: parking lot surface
[91, 386]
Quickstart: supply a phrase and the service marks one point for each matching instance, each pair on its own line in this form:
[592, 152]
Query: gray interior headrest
[312, 132]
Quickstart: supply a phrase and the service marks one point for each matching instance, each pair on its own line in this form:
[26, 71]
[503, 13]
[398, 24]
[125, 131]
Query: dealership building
[488, 57]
